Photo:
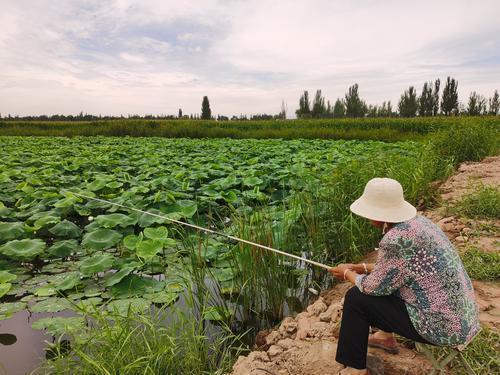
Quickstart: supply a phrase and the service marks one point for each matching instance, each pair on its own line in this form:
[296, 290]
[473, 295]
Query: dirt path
[306, 343]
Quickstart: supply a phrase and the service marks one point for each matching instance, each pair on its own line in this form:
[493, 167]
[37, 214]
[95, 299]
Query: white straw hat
[383, 200]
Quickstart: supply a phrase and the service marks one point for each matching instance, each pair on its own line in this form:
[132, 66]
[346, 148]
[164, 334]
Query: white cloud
[154, 56]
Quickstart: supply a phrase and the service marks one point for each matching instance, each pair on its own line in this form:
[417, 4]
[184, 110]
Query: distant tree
[408, 103]
[339, 109]
[180, 113]
[494, 104]
[435, 97]
[372, 111]
[329, 109]
[425, 100]
[354, 106]
[206, 112]
[318, 108]
[304, 110]
[449, 101]
[476, 105]
[283, 111]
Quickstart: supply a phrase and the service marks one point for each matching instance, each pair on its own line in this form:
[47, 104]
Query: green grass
[483, 203]
[385, 129]
[481, 265]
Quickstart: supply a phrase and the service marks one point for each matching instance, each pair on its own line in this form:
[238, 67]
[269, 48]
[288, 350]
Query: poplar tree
[318, 108]
[476, 105]
[449, 101]
[494, 104]
[304, 110]
[408, 103]
[206, 112]
[354, 106]
[339, 109]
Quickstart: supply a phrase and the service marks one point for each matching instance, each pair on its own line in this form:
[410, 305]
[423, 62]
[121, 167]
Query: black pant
[361, 311]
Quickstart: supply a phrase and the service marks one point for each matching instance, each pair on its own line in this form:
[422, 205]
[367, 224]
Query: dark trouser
[361, 311]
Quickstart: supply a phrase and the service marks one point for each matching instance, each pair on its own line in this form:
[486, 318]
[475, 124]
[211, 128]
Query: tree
[477, 104]
[354, 106]
[206, 112]
[449, 101]
[284, 110]
[304, 106]
[408, 103]
[494, 104]
[318, 108]
[435, 97]
[428, 102]
[180, 113]
[339, 109]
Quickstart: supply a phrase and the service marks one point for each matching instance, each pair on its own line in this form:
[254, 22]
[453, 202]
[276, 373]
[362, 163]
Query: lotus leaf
[4, 288]
[96, 263]
[69, 281]
[148, 248]
[11, 231]
[64, 248]
[132, 285]
[59, 326]
[163, 297]
[87, 304]
[223, 274]
[46, 291]
[7, 309]
[6, 277]
[158, 233]
[45, 221]
[101, 239]
[116, 277]
[115, 220]
[51, 304]
[124, 307]
[146, 220]
[252, 181]
[131, 241]
[66, 229]
[23, 249]
[66, 202]
[216, 313]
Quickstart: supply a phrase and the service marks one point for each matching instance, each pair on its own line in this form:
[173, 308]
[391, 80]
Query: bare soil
[306, 343]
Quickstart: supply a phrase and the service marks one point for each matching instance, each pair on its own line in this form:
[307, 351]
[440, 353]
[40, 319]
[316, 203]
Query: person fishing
[418, 288]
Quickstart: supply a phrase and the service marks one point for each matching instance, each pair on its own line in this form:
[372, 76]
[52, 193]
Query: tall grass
[483, 202]
[386, 129]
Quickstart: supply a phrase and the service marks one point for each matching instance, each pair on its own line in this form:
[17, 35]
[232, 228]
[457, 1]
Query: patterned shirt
[418, 263]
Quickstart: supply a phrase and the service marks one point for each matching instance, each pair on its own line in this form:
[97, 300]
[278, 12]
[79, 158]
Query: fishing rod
[206, 230]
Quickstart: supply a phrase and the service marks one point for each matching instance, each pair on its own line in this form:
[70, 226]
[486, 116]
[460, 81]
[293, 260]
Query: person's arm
[360, 267]
[388, 274]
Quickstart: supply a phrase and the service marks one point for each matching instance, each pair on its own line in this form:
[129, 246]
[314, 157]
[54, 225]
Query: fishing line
[206, 230]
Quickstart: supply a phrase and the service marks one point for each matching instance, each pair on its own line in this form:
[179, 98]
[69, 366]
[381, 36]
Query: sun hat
[383, 200]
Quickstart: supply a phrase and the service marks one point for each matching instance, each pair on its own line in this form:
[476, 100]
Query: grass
[483, 203]
[481, 265]
[385, 129]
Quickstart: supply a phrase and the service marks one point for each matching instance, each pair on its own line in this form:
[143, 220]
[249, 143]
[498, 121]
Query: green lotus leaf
[67, 202]
[252, 181]
[64, 248]
[46, 291]
[115, 220]
[116, 277]
[96, 263]
[158, 233]
[124, 307]
[11, 231]
[223, 274]
[69, 281]
[114, 185]
[186, 208]
[58, 326]
[87, 304]
[6, 277]
[23, 249]
[163, 297]
[130, 241]
[216, 313]
[146, 220]
[7, 309]
[98, 184]
[4, 288]
[66, 229]
[51, 304]
[45, 221]
[148, 249]
[101, 239]
[132, 285]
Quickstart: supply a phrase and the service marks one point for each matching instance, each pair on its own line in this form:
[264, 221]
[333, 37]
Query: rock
[461, 239]
[303, 326]
[287, 343]
[332, 314]
[459, 227]
[260, 338]
[274, 350]
[317, 307]
[320, 329]
[258, 356]
[288, 326]
[445, 220]
[273, 338]
[447, 227]
[466, 230]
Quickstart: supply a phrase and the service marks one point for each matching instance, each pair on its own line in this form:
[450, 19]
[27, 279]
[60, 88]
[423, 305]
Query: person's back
[437, 290]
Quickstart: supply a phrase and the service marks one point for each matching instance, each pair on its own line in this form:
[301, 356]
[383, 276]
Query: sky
[115, 57]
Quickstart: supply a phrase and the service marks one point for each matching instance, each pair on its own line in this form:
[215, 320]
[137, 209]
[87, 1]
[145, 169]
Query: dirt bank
[306, 343]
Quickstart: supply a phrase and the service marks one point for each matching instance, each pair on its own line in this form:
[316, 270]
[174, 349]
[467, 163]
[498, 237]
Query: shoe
[390, 345]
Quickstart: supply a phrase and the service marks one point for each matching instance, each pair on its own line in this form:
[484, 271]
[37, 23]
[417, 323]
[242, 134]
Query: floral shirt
[419, 264]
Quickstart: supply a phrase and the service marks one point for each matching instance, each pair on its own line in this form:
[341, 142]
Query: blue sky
[153, 56]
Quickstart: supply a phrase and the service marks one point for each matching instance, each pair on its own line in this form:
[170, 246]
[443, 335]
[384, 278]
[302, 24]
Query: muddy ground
[306, 343]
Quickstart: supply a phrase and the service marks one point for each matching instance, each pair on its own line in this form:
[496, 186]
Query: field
[59, 252]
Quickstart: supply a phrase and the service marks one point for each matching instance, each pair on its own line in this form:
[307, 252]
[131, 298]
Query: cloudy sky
[155, 56]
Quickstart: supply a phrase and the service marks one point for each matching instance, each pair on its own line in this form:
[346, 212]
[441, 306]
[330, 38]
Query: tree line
[430, 102]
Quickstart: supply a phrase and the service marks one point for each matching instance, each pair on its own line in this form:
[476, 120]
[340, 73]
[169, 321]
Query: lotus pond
[61, 253]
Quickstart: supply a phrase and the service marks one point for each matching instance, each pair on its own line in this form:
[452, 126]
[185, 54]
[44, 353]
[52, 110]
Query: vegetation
[449, 101]
[483, 202]
[206, 112]
[481, 265]
[408, 104]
